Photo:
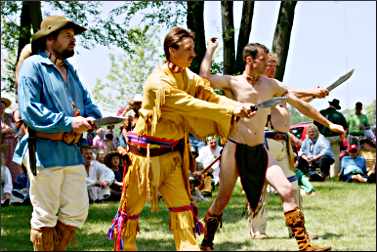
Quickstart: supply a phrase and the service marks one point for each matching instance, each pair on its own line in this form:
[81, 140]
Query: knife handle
[93, 124]
[253, 108]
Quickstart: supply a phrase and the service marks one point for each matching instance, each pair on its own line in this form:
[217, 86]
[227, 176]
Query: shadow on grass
[15, 228]
[329, 186]
[155, 235]
[328, 236]
[232, 246]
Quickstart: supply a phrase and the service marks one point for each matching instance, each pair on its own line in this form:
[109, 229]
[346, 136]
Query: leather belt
[142, 151]
[49, 136]
[67, 137]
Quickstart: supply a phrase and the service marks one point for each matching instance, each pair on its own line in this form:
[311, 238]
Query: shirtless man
[278, 144]
[245, 148]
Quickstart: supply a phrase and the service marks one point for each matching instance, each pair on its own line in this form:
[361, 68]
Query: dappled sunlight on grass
[343, 215]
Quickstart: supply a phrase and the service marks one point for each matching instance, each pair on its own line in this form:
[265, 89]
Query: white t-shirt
[206, 157]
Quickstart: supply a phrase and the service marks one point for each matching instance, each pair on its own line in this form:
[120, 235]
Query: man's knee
[288, 192]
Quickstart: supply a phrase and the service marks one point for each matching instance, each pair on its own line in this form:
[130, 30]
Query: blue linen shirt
[321, 146]
[351, 165]
[45, 104]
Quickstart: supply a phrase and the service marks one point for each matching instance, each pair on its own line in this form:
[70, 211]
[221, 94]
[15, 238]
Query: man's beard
[67, 53]
[87, 162]
[64, 54]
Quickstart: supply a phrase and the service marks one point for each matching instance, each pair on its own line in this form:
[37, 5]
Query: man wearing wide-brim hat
[50, 25]
[5, 102]
[333, 115]
[56, 108]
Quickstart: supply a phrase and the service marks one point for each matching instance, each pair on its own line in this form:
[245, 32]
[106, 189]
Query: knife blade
[340, 80]
[108, 120]
[269, 103]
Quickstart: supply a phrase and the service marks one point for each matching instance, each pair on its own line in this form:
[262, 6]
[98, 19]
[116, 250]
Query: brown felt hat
[51, 24]
[6, 102]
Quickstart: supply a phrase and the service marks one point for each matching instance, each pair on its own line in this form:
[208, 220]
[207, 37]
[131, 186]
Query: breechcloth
[252, 165]
[279, 147]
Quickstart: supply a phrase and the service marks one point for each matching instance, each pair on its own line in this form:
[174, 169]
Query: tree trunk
[244, 34]
[228, 35]
[31, 17]
[195, 22]
[282, 35]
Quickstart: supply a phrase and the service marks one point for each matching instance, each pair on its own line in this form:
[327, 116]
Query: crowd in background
[321, 155]
[352, 158]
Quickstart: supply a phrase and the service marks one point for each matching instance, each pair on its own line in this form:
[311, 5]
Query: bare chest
[244, 91]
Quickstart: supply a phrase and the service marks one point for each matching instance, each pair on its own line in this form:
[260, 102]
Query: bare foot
[359, 178]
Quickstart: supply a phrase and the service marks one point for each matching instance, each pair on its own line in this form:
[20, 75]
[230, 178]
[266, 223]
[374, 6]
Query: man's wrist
[211, 49]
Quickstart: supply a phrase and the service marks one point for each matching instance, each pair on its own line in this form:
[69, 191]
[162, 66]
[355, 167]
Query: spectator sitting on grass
[20, 193]
[368, 151]
[353, 166]
[207, 154]
[315, 153]
[6, 186]
[99, 176]
[113, 161]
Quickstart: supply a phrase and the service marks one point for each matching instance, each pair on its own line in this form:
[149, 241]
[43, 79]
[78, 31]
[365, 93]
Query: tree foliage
[124, 26]
[20, 19]
[128, 74]
[368, 109]
[296, 116]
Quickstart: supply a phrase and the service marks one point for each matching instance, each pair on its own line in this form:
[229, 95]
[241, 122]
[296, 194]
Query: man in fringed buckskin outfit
[176, 102]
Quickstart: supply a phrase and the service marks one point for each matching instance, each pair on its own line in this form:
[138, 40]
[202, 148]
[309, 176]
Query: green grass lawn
[342, 214]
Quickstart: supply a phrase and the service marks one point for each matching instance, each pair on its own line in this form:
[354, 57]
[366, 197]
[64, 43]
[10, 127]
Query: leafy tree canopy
[125, 26]
[128, 73]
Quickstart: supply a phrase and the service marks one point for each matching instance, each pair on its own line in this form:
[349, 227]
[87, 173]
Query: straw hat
[51, 24]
